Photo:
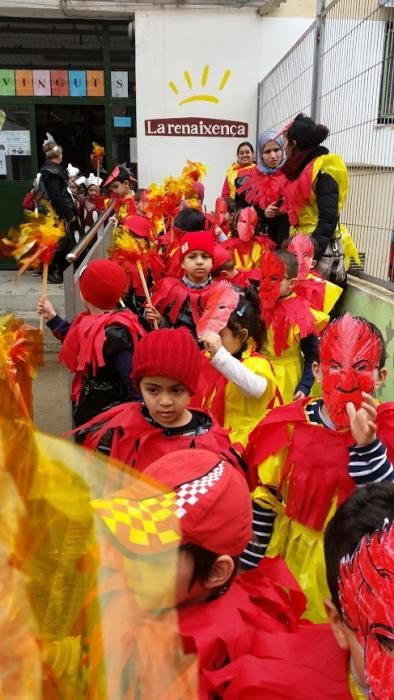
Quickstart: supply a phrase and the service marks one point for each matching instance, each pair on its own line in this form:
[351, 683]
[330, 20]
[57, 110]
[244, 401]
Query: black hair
[231, 205]
[138, 194]
[225, 267]
[245, 143]
[248, 315]
[306, 133]
[124, 175]
[363, 513]
[190, 219]
[374, 330]
[290, 262]
[203, 560]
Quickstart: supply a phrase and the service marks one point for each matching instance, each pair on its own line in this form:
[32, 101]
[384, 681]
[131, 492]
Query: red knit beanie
[168, 352]
[197, 240]
[139, 225]
[102, 283]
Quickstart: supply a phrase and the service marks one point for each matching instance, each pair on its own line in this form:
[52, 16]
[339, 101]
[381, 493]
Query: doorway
[74, 127]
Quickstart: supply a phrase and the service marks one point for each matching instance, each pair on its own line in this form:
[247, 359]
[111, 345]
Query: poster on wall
[3, 162]
[16, 143]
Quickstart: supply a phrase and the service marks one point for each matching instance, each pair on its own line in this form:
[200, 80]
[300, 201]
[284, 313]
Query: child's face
[120, 189]
[162, 580]
[233, 342]
[197, 265]
[286, 286]
[166, 400]
[347, 640]
[93, 191]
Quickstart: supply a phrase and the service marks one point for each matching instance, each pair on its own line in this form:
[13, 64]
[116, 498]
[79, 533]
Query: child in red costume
[180, 302]
[224, 268]
[166, 370]
[237, 383]
[307, 458]
[244, 630]
[292, 325]
[120, 184]
[359, 554]
[246, 247]
[321, 294]
[98, 345]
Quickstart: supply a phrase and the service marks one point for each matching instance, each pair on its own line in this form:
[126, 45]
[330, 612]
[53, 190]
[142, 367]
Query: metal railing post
[317, 60]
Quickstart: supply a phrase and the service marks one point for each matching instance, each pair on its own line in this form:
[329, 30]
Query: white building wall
[169, 43]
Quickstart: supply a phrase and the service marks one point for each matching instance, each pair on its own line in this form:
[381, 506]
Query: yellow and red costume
[233, 172]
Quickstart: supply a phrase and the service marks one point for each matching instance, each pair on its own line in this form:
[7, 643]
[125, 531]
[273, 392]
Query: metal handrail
[76, 252]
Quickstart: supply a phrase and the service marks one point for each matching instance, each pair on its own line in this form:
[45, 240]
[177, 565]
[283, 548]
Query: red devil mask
[220, 304]
[273, 272]
[302, 247]
[221, 210]
[246, 224]
[366, 593]
[349, 354]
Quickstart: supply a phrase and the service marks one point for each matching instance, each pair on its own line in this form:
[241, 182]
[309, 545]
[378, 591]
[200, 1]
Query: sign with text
[196, 126]
[61, 83]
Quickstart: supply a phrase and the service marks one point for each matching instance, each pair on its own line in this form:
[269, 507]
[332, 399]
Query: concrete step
[20, 297]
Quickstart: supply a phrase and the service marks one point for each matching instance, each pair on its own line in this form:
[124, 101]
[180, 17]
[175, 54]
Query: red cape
[261, 189]
[138, 443]
[287, 313]
[316, 467]
[84, 342]
[251, 639]
[171, 291]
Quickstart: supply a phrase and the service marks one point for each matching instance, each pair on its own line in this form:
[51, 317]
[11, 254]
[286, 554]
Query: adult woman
[55, 186]
[262, 187]
[245, 161]
[315, 192]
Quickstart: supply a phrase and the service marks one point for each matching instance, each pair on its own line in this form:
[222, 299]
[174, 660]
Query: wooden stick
[98, 172]
[145, 288]
[44, 290]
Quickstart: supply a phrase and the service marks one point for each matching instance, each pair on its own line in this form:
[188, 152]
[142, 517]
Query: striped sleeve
[370, 464]
[263, 523]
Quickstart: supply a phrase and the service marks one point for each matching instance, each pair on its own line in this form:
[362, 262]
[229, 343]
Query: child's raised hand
[212, 341]
[46, 309]
[152, 315]
[363, 421]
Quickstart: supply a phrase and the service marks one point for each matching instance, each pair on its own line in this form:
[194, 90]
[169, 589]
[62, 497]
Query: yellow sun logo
[204, 97]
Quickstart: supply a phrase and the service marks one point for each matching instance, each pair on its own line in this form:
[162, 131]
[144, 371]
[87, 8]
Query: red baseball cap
[207, 503]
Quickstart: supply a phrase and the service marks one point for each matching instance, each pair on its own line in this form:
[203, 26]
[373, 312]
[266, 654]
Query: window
[15, 145]
[386, 102]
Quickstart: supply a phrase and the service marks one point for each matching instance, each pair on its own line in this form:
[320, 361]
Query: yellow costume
[302, 476]
[229, 405]
[231, 175]
[288, 367]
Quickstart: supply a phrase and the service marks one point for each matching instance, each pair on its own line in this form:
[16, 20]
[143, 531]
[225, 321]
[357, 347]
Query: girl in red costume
[321, 293]
[292, 325]
[180, 302]
[224, 269]
[166, 369]
[306, 458]
[246, 247]
[237, 383]
[98, 345]
[262, 187]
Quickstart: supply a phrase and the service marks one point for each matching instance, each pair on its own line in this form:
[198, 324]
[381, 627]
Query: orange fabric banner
[95, 83]
[24, 82]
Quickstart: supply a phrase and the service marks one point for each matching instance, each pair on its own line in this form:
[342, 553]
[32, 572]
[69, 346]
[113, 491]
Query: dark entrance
[74, 127]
